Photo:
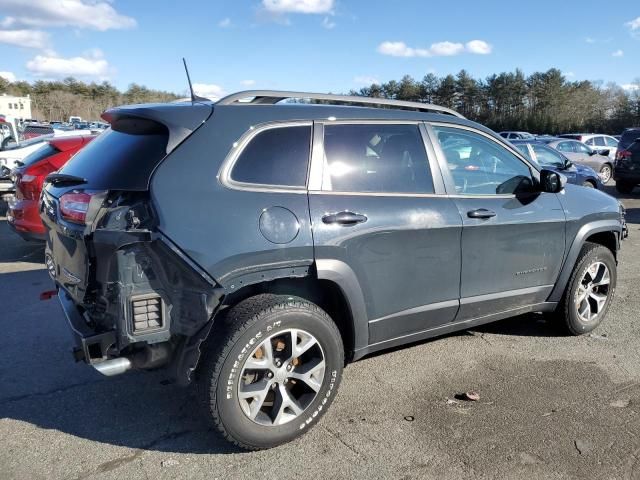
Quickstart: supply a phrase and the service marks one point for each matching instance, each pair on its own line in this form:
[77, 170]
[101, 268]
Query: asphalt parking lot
[550, 406]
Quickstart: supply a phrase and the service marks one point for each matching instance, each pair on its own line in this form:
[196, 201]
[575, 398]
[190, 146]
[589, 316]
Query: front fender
[588, 229]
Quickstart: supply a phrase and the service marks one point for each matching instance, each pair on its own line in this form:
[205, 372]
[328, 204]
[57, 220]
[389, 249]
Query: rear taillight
[74, 206]
[623, 155]
[29, 184]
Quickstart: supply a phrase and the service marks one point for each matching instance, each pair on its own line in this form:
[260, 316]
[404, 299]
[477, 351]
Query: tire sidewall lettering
[238, 362]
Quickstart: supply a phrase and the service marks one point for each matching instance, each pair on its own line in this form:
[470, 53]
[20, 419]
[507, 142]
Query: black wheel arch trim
[585, 232]
[344, 277]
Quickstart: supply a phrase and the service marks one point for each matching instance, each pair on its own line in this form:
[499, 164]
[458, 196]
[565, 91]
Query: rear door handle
[481, 213]
[344, 218]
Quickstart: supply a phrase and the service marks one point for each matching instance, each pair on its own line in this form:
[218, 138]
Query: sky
[312, 45]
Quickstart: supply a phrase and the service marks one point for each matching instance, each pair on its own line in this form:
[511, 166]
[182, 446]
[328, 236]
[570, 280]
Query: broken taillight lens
[74, 206]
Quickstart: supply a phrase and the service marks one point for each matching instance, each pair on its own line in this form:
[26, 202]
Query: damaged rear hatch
[118, 162]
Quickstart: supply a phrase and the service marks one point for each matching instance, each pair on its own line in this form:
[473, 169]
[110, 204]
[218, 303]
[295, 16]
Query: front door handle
[344, 218]
[481, 213]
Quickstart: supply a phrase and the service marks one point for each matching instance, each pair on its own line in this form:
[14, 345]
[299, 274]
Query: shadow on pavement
[43, 386]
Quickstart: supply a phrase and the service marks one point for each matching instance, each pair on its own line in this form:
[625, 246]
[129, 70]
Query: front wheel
[605, 173]
[590, 290]
[271, 370]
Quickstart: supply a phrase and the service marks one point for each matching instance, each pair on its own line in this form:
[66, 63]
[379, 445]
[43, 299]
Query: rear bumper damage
[148, 307]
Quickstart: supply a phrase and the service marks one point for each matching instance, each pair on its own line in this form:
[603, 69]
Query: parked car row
[28, 177]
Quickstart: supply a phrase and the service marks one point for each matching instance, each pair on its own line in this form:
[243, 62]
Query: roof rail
[271, 97]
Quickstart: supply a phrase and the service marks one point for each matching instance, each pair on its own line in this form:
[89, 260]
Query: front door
[378, 209]
[513, 238]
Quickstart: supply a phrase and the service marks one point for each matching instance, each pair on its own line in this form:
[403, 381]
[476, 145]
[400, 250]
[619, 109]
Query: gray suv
[258, 244]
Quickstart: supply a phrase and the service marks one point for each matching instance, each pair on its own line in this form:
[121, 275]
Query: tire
[244, 336]
[588, 184]
[624, 187]
[570, 307]
[606, 171]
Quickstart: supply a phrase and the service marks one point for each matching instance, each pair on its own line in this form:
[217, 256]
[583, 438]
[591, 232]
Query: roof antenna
[194, 97]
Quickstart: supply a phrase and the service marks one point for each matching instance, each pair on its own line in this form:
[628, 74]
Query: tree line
[543, 102]
[58, 100]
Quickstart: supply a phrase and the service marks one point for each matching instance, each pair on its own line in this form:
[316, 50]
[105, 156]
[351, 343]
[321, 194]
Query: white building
[16, 107]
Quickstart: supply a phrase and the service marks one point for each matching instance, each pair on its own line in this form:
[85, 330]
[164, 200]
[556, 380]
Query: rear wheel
[272, 370]
[590, 290]
[588, 184]
[605, 172]
[624, 187]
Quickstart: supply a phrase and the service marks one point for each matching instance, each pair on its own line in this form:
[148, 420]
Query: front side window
[591, 141]
[480, 166]
[276, 156]
[598, 142]
[374, 158]
[581, 148]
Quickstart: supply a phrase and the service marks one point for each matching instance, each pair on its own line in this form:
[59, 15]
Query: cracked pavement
[550, 405]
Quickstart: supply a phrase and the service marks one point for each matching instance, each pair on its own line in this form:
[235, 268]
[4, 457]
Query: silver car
[582, 154]
[597, 141]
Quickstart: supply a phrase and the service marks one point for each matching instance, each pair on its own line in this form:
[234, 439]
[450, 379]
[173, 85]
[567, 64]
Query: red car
[23, 215]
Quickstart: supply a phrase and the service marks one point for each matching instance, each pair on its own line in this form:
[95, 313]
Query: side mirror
[552, 182]
[604, 152]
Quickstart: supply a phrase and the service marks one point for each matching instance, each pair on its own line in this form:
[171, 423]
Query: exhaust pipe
[112, 367]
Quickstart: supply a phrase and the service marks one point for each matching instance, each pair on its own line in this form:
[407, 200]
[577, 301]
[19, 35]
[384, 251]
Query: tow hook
[46, 295]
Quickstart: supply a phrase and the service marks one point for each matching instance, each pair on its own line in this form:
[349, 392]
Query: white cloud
[328, 23]
[366, 80]
[479, 47]
[209, 90]
[440, 49]
[631, 87]
[634, 24]
[92, 14]
[446, 49]
[590, 40]
[90, 65]
[225, 23]
[8, 76]
[617, 53]
[298, 6]
[25, 38]
[248, 83]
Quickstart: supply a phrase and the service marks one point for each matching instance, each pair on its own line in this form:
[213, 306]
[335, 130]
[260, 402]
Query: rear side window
[565, 147]
[598, 142]
[276, 156]
[628, 138]
[375, 158]
[118, 161]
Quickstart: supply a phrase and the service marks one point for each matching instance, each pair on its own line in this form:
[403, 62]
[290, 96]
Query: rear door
[377, 205]
[512, 238]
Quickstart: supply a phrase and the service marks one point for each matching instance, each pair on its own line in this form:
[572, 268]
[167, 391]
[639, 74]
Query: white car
[596, 141]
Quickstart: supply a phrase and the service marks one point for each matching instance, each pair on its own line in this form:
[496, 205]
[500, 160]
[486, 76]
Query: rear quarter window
[276, 157]
[118, 161]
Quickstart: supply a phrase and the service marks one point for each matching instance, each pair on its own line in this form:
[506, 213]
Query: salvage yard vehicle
[547, 157]
[28, 177]
[256, 246]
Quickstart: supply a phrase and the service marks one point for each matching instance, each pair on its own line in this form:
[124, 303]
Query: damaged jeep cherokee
[255, 245]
